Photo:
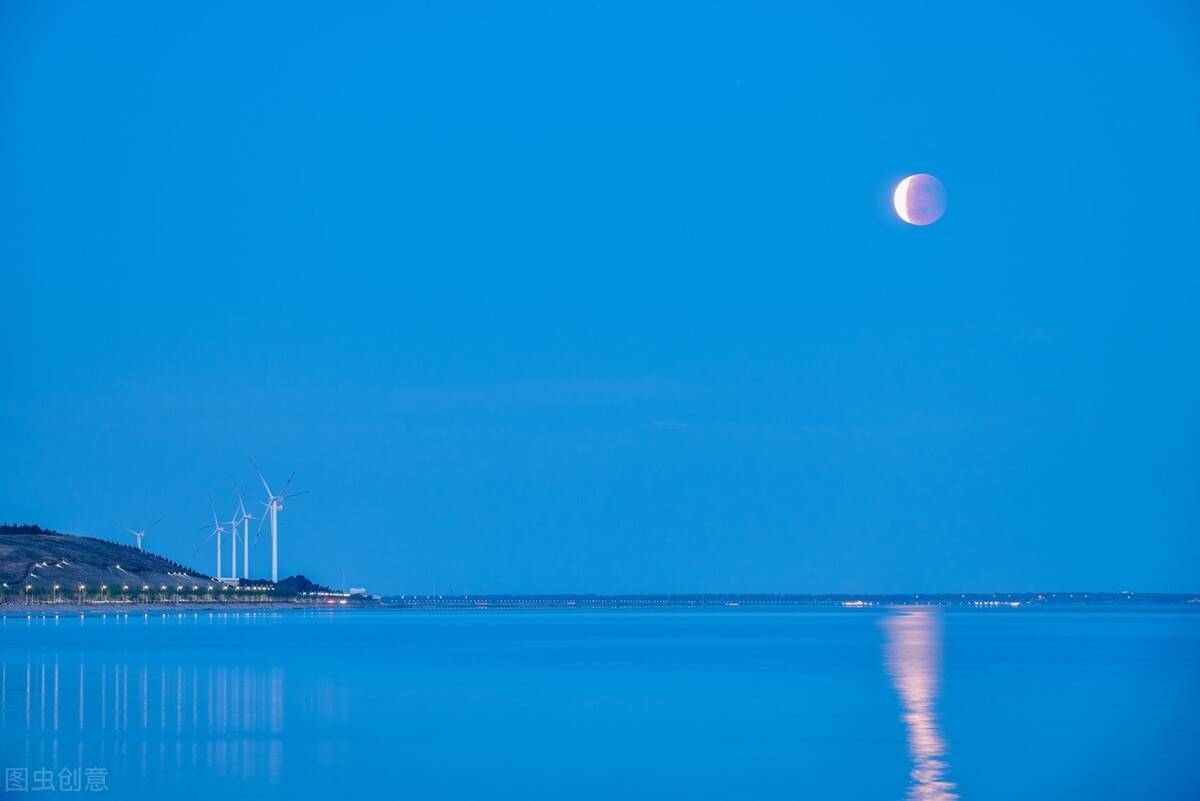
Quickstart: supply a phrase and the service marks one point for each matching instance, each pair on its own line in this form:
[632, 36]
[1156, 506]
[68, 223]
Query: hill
[35, 557]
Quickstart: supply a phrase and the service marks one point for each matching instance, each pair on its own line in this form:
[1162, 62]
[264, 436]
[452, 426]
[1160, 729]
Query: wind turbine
[244, 518]
[233, 523]
[274, 503]
[139, 534]
[217, 531]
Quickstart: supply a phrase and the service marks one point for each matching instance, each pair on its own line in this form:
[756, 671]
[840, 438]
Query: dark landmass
[733, 600]
[300, 584]
[39, 565]
[34, 557]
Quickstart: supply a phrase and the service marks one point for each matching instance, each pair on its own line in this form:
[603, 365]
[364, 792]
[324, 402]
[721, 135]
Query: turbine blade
[155, 523]
[262, 478]
[201, 545]
[294, 494]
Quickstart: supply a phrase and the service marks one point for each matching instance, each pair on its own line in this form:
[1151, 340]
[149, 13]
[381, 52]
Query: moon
[920, 199]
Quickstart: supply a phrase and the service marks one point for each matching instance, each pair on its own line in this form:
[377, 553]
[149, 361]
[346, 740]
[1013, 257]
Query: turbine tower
[274, 504]
[139, 534]
[217, 531]
[233, 524]
[244, 518]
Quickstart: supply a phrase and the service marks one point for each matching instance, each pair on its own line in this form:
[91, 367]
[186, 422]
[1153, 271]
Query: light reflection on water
[81, 710]
[913, 658]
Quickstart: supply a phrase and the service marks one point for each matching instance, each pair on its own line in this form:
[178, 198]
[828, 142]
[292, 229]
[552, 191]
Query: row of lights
[146, 588]
[125, 587]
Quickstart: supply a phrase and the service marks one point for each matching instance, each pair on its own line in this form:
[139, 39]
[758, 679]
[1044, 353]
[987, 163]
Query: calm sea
[857, 704]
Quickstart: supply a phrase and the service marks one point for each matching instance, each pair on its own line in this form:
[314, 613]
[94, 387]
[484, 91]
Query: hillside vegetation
[39, 565]
[33, 557]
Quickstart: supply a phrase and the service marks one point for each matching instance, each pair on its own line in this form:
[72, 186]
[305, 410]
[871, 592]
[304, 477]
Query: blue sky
[609, 296]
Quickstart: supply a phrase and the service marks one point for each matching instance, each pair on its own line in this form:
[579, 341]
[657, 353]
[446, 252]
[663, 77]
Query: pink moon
[920, 199]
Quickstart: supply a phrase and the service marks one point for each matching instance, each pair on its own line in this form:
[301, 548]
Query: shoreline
[73, 608]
